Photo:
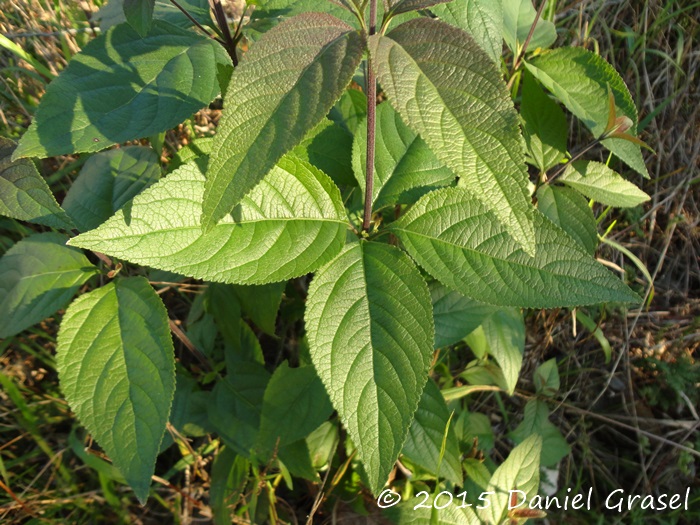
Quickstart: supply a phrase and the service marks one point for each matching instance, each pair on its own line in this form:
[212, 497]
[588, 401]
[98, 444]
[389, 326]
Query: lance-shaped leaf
[570, 211]
[107, 181]
[38, 276]
[288, 226]
[370, 329]
[581, 79]
[121, 87]
[139, 14]
[482, 19]
[405, 168]
[431, 442]
[24, 194]
[283, 87]
[116, 368]
[521, 471]
[598, 182]
[461, 243]
[447, 89]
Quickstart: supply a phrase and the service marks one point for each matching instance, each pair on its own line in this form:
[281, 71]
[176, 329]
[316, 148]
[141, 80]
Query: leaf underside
[462, 244]
[370, 331]
[38, 276]
[447, 89]
[289, 225]
[283, 87]
[116, 366]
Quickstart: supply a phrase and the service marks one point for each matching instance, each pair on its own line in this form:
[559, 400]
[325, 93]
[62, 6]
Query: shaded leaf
[426, 434]
[122, 87]
[546, 378]
[139, 14]
[329, 147]
[295, 404]
[447, 89]
[261, 303]
[107, 181]
[116, 366]
[581, 79]
[518, 17]
[236, 406]
[370, 328]
[505, 335]
[112, 13]
[291, 224]
[536, 421]
[455, 315]
[307, 61]
[419, 510]
[24, 194]
[598, 182]
[350, 110]
[570, 211]
[405, 168]
[461, 243]
[545, 127]
[38, 276]
[398, 7]
[229, 474]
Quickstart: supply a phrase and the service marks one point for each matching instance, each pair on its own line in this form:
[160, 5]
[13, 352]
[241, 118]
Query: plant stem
[194, 21]
[371, 84]
[521, 55]
[230, 43]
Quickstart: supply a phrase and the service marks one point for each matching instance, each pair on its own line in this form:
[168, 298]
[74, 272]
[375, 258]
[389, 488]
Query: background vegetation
[631, 422]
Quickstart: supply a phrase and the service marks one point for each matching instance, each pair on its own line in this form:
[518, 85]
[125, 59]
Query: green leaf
[38, 276]
[398, 7]
[521, 471]
[329, 147]
[350, 110]
[322, 444]
[295, 404]
[24, 194]
[289, 225]
[448, 90]
[112, 13]
[189, 411]
[229, 475]
[546, 378]
[139, 14]
[236, 406]
[115, 89]
[518, 17]
[536, 421]
[419, 510]
[116, 366]
[297, 459]
[545, 127]
[269, 13]
[455, 315]
[427, 433]
[107, 181]
[370, 329]
[473, 425]
[482, 19]
[461, 243]
[598, 182]
[261, 303]
[505, 336]
[282, 88]
[581, 79]
[570, 211]
[404, 167]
